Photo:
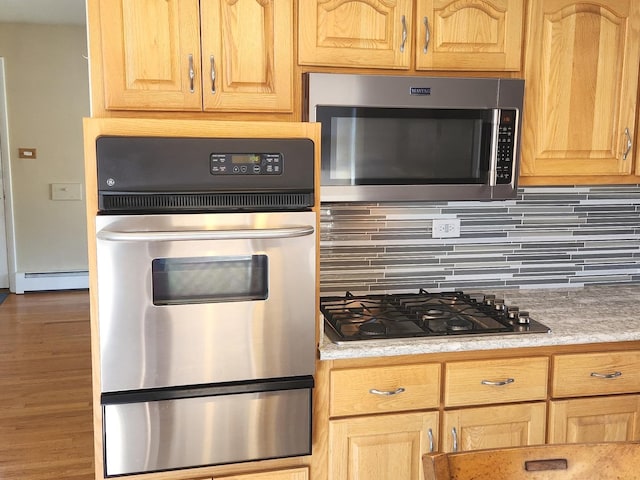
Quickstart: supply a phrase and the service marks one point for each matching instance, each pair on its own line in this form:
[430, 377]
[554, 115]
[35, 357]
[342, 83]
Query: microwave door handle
[493, 165]
[185, 235]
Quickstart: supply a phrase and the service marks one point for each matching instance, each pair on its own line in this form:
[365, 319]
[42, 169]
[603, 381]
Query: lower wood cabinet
[381, 447]
[598, 419]
[288, 474]
[493, 427]
[384, 415]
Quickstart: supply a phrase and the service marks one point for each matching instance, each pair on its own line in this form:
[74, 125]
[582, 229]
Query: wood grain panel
[384, 389]
[495, 381]
[595, 374]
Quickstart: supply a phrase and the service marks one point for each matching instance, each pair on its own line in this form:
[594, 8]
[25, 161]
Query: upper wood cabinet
[247, 55]
[355, 33]
[150, 54]
[581, 84]
[469, 34]
[449, 34]
[153, 59]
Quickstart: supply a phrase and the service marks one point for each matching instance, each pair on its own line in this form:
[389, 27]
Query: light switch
[66, 191]
[27, 153]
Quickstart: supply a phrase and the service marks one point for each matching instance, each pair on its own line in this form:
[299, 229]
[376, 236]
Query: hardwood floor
[46, 429]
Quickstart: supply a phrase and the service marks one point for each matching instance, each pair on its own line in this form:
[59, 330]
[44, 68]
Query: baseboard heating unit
[32, 282]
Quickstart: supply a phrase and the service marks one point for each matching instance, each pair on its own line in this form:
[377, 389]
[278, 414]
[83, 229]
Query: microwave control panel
[506, 146]
[246, 163]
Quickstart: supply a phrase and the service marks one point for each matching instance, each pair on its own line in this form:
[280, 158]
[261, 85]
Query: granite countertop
[575, 315]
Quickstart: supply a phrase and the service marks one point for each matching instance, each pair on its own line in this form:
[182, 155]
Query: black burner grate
[420, 314]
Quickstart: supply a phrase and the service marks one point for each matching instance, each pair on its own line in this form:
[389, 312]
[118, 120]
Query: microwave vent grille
[160, 202]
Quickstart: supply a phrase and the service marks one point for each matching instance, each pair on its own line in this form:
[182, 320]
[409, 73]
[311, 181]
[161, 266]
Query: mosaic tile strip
[548, 237]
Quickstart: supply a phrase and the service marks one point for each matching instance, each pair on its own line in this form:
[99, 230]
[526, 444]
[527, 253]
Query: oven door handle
[185, 235]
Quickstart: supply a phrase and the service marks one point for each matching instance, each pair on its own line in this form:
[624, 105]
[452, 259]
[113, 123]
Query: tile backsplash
[549, 237]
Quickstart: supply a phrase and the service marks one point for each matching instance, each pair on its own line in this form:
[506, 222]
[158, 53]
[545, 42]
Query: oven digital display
[249, 158]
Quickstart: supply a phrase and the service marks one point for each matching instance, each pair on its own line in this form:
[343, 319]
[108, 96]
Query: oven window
[372, 146]
[179, 281]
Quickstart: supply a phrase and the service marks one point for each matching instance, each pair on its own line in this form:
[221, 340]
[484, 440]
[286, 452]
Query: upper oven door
[205, 298]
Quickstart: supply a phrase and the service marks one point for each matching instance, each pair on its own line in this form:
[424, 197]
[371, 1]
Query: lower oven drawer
[191, 427]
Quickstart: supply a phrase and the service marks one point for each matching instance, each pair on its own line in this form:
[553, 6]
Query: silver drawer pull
[375, 391]
[498, 384]
[606, 375]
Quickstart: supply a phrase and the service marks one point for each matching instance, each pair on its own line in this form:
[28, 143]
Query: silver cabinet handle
[213, 74]
[454, 436]
[155, 236]
[606, 375]
[499, 383]
[427, 34]
[404, 33]
[192, 74]
[431, 443]
[627, 134]
[375, 391]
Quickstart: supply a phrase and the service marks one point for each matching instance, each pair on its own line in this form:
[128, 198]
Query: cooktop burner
[422, 314]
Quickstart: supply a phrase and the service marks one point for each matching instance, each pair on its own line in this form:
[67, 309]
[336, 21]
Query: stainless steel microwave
[413, 138]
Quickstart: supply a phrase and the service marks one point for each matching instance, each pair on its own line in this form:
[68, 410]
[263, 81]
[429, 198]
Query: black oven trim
[143, 202]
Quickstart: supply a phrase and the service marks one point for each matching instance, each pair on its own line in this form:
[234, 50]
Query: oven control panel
[246, 163]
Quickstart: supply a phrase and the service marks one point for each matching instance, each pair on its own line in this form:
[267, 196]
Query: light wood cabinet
[190, 55]
[288, 474]
[150, 54]
[355, 33]
[494, 427]
[609, 415]
[579, 375]
[381, 447]
[467, 401]
[500, 382]
[449, 34]
[360, 391]
[597, 419]
[469, 35]
[581, 77]
[495, 381]
[247, 55]
[367, 439]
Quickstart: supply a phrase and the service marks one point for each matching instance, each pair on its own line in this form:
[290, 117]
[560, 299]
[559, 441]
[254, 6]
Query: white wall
[47, 87]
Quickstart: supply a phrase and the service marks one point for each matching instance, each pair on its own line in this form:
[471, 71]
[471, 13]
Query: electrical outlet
[445, 228]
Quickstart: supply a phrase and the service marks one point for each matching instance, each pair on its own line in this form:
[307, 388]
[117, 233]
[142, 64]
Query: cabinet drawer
[584, 374]
[356, 391]
[301, 473]
[495, 381]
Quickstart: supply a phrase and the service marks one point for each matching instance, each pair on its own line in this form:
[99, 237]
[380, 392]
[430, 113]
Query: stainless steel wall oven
[206, 264]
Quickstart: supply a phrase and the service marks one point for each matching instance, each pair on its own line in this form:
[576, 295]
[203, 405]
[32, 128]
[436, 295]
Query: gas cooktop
[422, 314]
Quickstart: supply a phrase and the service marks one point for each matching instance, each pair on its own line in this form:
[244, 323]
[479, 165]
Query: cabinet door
[381, 447]
[601, 419]
[247, 55]
[581, 77]
[289, 474]
[469, 34]
[151, 54]
[494, 427]
[355, 33]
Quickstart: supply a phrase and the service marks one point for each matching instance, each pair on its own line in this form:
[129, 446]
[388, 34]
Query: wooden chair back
[597, 461]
